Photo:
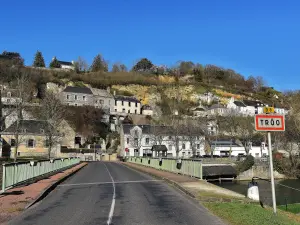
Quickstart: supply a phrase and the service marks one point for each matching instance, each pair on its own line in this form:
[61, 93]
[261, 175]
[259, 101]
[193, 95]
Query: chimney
[108, 89]
[114, 93]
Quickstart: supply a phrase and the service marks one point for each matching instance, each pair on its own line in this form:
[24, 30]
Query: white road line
[112, 207]
[116, 182]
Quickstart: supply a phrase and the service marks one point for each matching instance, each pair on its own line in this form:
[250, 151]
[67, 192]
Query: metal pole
[95, 150]
[272, 172]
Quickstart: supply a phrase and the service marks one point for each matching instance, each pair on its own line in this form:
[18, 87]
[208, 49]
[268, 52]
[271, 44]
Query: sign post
[270, 122]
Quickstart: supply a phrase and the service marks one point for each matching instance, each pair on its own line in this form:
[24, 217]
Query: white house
[147, 110]
[138, 140]
[66, 65]
[127, 105]
[224, 147]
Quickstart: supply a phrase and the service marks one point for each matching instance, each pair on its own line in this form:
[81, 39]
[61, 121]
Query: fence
[20, 172]
[191, 168]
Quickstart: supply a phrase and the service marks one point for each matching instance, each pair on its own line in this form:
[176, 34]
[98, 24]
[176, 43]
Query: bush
[246, 164]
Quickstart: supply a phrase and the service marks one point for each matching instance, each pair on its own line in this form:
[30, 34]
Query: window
[42, 131]
[129, 111]
[115, 110]
[135, 111]
[68, 96]
[122, 103]
[129, 104]
[136, 133]
[136, 104]
[147, 141]
[83, 98]
[47, 143]
[136, 141]
[75, 104]
[8, 94]
[127, 140]
[30, 143]
[183, 146]
[170, 137]
[115, 102]
[109, 102]
[75, 97]
[123, 110]
[12, 142]
[198, 146]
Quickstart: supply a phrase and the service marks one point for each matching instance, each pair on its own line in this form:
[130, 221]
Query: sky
[257, 37]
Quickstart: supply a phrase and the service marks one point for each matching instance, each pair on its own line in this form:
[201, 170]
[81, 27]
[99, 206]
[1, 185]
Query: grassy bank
[242, 211]
[237, 213]
[293, 208]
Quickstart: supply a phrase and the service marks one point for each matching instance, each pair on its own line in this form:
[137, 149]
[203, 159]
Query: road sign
[269, 122]
[269, 110]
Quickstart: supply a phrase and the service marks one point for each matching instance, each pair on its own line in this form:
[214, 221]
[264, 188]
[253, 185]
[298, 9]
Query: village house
[66, 65]
[127, 105]
[138, 140]
[32, 138]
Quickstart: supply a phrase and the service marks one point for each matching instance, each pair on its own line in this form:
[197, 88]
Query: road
[111, 193]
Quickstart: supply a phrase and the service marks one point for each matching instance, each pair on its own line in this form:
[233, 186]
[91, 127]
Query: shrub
[246, 164]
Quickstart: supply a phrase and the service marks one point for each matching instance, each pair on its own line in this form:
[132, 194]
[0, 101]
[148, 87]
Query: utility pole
[95, 150]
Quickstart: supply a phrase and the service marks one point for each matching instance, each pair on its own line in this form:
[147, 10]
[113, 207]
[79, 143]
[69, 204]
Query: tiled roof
[126, 98]
[31, 127]
[82, 90]
[252, 103]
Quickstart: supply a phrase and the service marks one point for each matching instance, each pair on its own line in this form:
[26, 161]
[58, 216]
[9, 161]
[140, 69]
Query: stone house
[103, 99]
[77, 96]
[127, 105]
[32, 139]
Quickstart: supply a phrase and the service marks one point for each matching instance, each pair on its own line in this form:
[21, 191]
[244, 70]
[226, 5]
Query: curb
[178, 186]
[46, 191]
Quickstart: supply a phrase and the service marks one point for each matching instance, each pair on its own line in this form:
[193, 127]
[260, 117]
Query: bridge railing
[20, 172]
[187, 167]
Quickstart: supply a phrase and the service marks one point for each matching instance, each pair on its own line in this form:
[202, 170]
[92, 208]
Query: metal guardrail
[20, 172]
[191, 168]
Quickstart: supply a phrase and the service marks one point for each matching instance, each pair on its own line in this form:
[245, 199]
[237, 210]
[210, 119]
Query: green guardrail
[187, 167]
[20, 172]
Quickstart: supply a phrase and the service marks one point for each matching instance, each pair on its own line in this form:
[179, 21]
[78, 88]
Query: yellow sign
[269, 110]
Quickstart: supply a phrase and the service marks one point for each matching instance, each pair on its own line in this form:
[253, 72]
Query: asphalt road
[110, 193]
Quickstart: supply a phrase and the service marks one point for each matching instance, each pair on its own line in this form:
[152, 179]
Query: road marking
[113, 202]
[116, 182]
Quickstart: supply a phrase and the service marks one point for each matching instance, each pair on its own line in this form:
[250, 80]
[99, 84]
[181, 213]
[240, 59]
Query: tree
[22, 81]
[123, 68]
[38, 60]
[15, 57]
[116, 68]
[194, 134]
[81, 65]
[54, 63]
[99, 64]
[143, 65]
[185, 67]
[52, 112]
[198, 72]
[136, 139]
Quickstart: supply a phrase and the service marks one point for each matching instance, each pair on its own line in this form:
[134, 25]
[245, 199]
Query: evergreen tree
[99, 64]
[54, 63]
[143, 65]
[38, 60]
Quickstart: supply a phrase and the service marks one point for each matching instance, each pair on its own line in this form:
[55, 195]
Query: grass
[293, 208]
[237, 213]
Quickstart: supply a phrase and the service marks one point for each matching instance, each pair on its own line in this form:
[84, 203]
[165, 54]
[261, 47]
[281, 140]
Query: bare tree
[246, 131]
[22, 82]
[81, 65]
[52, 112]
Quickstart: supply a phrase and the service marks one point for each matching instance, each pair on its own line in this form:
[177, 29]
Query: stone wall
[261, 171]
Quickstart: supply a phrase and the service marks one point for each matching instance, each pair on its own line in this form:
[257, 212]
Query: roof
[239, 103]
[224, 143]
[159, 130]
[199, 109]
[162, 148]
[82, 90]
[146, 107]
[65, 63]
[252, 103]
[217, 106]
[126, 98]
[101, 93]
[31, 126]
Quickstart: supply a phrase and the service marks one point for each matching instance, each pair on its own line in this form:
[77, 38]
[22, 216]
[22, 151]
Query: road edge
[50, 188]
[178, 186]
